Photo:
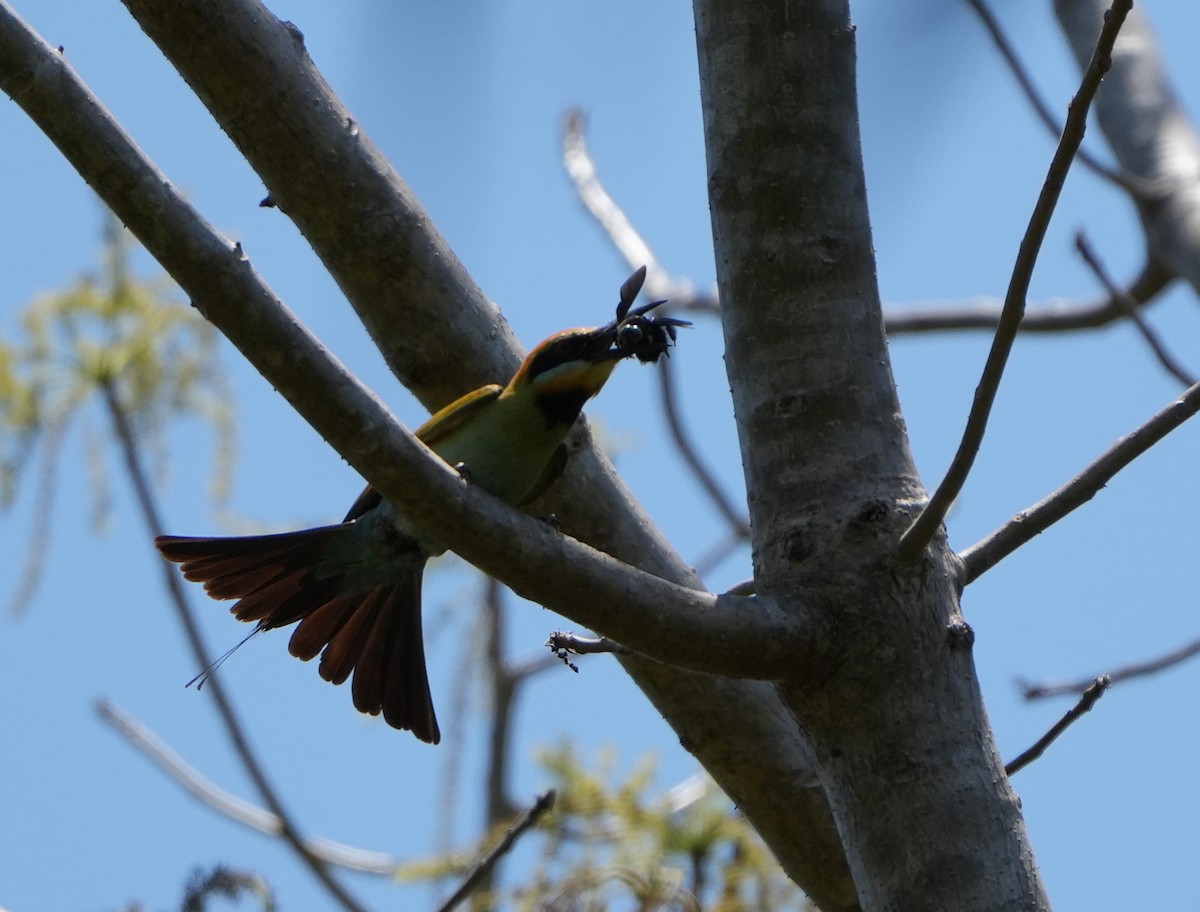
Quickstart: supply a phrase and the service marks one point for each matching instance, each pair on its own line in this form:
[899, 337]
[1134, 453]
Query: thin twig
[536, 811]
[709, 561]
[1040, 108]
[985, 554]
[1130, 306]
[738, 523]
[233, 727]
[229, 805]
[919, 534]
[1047, 317]
[1086, 702]
[504, 686]
[1032, 691]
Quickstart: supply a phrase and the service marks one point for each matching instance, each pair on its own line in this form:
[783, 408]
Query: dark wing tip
[630, 289]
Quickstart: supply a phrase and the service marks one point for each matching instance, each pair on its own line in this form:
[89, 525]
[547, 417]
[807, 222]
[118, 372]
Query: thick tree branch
[1150, 134]
[739, 730]
[829, 472]
[750, 640]
[915, 539]
[985, 554]
[322, 170]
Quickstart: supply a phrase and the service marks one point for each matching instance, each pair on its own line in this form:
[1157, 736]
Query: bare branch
[528, 820]
[229, 805]
[323, 171]
[918, 535]
[1165, 358]
[1149, 132]
[1086, 702]
[548, 568]
[738, 522]
[710, 559]
[1031, 691]
[1049, 317]
[123, 431]
[503, 686]
[613, 221]
[1039, 105]
[727, 720]
[985, 554]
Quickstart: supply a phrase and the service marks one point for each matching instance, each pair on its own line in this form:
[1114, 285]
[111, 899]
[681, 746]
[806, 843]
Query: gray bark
[869, 767]
[1150, 134]
[890, 709]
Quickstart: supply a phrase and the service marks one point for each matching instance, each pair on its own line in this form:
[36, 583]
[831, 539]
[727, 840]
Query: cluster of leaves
[114, 337]
[610, 844]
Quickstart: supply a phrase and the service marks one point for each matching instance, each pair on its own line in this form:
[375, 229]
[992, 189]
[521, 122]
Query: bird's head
[581, 360]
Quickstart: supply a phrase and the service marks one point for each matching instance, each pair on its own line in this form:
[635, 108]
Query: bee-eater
[355, 587]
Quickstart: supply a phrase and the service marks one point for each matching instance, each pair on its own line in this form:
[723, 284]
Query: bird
[353, 589]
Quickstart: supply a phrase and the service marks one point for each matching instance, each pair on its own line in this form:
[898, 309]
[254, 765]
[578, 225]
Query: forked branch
[1086, 701]
[918, 535]
[985, 554]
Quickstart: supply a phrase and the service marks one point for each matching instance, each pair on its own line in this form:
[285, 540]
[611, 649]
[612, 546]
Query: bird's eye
[629, 335]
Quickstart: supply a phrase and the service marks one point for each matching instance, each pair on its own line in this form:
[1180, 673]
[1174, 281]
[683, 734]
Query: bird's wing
[439, 426]
[446, 421]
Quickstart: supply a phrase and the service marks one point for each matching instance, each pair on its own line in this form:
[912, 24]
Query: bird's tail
[374, 632]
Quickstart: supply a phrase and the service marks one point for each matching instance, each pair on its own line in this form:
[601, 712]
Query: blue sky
[467, 103]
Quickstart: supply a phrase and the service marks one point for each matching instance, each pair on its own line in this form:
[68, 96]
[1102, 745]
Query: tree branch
[985, 554]
[287, 828]
[659, 283]
[1085, 704]
[1126, 672]
[528, 820]
[1150, 133]
[616, 225]
[1051, 317]
[416, 299]
[730, 725]
[1170, 364]
[1039, 105]
[754, 639]
[914, 540]
[735, 519]
[229, 805]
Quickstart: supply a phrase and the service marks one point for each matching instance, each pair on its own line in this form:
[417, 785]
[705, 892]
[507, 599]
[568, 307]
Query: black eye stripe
[560, 352]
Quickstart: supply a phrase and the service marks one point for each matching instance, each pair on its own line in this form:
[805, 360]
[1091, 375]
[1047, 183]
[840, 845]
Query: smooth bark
[892, 713]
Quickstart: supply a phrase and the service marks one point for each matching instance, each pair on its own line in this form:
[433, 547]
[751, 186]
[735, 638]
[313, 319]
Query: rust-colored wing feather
[376, 634]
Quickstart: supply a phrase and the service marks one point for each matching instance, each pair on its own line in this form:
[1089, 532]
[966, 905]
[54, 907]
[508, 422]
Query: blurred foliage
[220, 883]
[226, 883]
[611, 845]
[108, 335]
